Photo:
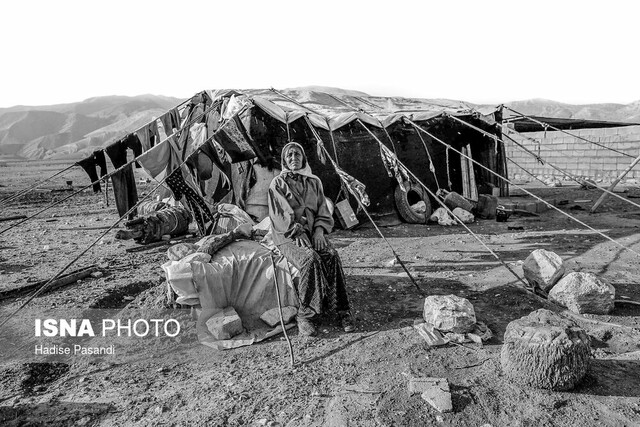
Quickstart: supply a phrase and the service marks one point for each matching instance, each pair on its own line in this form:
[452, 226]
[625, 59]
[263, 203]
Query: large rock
[584, 293]
[449, 313]
[546, 351]
[543, 269]
[225, 324]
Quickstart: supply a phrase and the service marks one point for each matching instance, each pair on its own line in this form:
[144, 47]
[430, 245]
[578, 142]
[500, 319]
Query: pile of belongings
[158, 219]
[230, 282]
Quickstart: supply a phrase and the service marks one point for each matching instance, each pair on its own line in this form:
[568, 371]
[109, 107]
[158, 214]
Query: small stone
[272, 317]
[159, 409]
[97, 274]
[391, 263]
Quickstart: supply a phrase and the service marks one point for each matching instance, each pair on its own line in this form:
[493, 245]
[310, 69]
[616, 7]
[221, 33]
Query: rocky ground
[339, 379]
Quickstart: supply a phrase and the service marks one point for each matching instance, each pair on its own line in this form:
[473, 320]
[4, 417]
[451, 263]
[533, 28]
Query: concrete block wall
[576, 156]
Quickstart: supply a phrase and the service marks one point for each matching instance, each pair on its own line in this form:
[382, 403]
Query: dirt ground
[339, 379]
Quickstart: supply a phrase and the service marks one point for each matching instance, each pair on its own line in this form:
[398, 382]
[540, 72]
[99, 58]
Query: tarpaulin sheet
[241, 276]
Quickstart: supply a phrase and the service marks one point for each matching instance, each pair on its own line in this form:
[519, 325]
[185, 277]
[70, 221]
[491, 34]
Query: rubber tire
[404, 208]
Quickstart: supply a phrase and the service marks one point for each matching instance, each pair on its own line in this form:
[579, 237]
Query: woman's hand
[303, 241]
[319, 242]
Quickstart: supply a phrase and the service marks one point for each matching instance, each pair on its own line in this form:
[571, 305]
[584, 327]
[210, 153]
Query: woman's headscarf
[304, 170]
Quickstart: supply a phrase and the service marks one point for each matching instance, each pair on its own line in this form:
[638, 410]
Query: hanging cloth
[170, 121]
[164, 157]
[124, 183]
[235, 141]
[149, 135]
[392, 166]
[196, 203]
[355, 187]
[89, 164]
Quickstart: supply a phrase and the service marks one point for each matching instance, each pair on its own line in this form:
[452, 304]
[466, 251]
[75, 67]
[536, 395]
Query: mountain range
[76, 129]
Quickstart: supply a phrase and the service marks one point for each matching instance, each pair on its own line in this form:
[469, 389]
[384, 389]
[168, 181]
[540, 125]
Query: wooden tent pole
[614, 183]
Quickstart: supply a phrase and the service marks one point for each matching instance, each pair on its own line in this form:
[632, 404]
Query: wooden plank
[11, 218]
[472, 177]
[465, 173]
[67, 279]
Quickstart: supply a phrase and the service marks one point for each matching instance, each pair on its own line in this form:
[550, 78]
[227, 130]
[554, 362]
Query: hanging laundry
[149, 135]
[355, 187]
[198, 133]
[196, 203]
[160, 158]
[392, 166]
[235, 141]
[96, 159]
[124, 183]
[170, 121]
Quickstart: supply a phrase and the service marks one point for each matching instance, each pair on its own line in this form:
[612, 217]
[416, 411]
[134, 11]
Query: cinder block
[225, 324]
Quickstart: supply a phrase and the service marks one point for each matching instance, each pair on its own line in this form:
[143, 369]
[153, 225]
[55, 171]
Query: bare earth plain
[339, 379]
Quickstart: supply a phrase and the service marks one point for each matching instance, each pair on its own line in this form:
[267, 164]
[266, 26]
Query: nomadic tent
[351, 127]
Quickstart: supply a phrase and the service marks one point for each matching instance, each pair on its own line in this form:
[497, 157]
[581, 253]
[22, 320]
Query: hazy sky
[478, 51]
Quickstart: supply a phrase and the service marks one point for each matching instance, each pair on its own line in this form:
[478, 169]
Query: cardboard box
[345, 214]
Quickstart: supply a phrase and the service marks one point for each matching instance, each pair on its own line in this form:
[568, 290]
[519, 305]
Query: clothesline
[69, 264]
[104, 177]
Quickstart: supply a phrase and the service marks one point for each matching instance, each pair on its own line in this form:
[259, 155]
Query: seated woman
[300, 219]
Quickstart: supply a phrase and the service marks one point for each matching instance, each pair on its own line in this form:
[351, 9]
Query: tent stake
[614, 183]
[284, 329]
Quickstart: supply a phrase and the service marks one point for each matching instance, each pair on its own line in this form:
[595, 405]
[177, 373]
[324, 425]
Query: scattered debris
[633, 193]
[434, 391]
[584, 293]
[543, 269]
[546, 351]
[432, 336]
[588, 184]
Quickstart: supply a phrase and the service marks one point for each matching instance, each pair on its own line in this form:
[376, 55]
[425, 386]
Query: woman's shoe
[306, 327]
[347, 323]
